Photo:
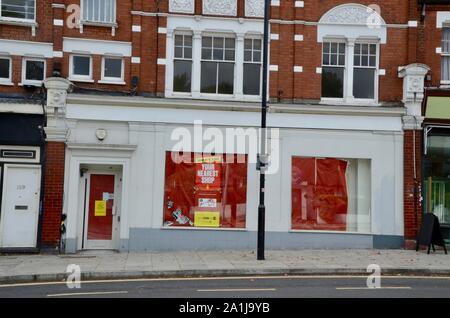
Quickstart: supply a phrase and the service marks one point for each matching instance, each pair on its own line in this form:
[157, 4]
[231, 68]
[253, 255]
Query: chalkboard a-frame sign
[430, 233]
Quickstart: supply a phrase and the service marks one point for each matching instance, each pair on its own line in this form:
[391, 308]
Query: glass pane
[19, 9]
[226, 78]
[182, 76]
[364, 48]
[252, 79]
[218, 43]
[333, 59]
[357, 48]
[326, 47]
[187, 52]
[4, 68]
[207, 42]
[257, 56]
[218, 54]
[229, 43]
[363, 83]
[341, 60]
[364, 60]
[209, 77]
[187, 40]
[333, 82]
[178, 40]
[342, 48]
[206, 54]
[247, 44]
[222, 196]
[257, 45]
[179, 52]
[334, 47]
[327, 195]
[229, 55]
[373, 49]
[247, 56]
[445, 68]
[326, 59]
[81, 65]
[113, 67]
[357, 60]
[34, 70]
[372, 61]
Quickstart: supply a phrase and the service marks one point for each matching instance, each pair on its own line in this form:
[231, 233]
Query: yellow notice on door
[100, 208]
[207, 219]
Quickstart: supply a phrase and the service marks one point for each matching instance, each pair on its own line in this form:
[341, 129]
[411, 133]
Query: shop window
[99, 11]
[182, 72]
[333, 69]
[112, 69]
[330, 194]
[252, 66]
[33, 71]
[207, 191]
[445, 56]
[5, 70]
[218, 55]
[80, 67]
[18, 9]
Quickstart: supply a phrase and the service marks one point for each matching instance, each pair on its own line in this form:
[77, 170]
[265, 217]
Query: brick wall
[53, 193]
[412, 203]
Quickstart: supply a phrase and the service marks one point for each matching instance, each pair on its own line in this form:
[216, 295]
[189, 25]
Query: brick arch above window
[352, 21]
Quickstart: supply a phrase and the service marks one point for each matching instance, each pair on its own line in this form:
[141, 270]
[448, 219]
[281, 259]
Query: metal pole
[262, 156]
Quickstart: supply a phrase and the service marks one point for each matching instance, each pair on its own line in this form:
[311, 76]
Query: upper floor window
[445, 56]
[33, 71]
[349, 71]
[80, 67]
[99, 11]
[218, 57]
[5, 70]
[252, 66]
[112, 69]
[333, 69]
[18, 9]
[182, 64]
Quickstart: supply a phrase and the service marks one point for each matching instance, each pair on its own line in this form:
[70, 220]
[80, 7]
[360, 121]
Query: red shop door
[102, 217]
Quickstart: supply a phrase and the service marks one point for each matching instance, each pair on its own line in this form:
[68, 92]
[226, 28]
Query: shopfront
[436, 163]
[338, 181]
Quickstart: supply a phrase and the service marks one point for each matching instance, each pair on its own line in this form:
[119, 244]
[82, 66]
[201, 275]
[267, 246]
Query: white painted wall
[377, 138]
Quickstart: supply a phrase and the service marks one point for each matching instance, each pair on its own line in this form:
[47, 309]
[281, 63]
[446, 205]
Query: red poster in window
[319, 194]
[208, 172]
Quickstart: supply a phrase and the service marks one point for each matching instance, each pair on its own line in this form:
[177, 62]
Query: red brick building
[353, 71]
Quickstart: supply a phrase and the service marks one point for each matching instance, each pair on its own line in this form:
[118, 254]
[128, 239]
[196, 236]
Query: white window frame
[108, 23]
[80, 78]
[444, 54]
[249, 37]
[234, 62]
[2, 18]
[7, 81]
[183, 33]
[25, 81]
[348, 97]
[345, 67]
[113, 80]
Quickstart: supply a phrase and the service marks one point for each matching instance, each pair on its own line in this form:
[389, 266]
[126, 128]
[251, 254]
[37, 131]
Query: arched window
[351, 35]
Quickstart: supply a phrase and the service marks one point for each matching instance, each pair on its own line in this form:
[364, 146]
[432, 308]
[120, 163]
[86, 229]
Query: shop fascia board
[111, 147]
[169, 103]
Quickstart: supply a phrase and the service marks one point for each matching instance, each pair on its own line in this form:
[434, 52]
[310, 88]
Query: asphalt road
[239, 287]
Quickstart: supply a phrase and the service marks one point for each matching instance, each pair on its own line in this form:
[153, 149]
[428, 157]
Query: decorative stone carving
[220, 7]
[55, 110]
[353, 14]
[413, 86]
[182, 6]
[254, 8]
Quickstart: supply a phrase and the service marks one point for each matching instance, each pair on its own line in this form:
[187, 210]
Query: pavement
[95, 265]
